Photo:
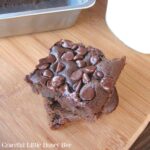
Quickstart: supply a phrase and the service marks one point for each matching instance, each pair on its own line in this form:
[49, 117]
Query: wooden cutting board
[23, 119]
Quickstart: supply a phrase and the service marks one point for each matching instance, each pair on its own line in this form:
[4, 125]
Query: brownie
[78, 80]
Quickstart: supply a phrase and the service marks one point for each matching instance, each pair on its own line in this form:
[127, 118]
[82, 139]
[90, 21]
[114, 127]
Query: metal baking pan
[29, 16]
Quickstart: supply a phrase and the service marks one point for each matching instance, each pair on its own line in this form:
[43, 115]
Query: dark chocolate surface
[80, 79]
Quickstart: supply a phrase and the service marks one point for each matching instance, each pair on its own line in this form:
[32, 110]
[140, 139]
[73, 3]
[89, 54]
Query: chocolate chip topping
[77, 86]
[74, 46]
[48, 73]
[81, 50]
[98, 75]
[67, 44]
[74, 65]
[87, 93]
[89, 69]
[76, 75]
[43, 81]
[60, 67]
[80, 63]
[35, 77]
[57, 81]
[43, 66]
[79, 78]
[94, 59]
[49, 59]
[78, 57]
[86, 78]
[68, 56]
[107, 83]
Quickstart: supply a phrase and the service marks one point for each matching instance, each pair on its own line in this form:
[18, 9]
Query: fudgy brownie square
[81, 80]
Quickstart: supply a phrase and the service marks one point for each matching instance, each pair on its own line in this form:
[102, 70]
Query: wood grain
[22, 114]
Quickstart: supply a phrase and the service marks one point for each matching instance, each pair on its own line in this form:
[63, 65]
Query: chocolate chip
[42, 66]
[44, 81]
[57, 51]
[89, 69]
[68, 56]
[49, 59]
[78, 56]
[27, 79]
[94, 59]
[81, 50]
[87, 93]
[85, 78]
[48, 73]
[35, 77]
[77, 86]
[37, 88]
[49, 84]
[80, 63]
[60, 67]
[100, 74]
[76, 75]
[95, 51]
[74, 47]
[107, 83]
[67, 44]
[57, 81]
